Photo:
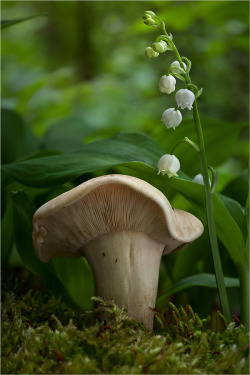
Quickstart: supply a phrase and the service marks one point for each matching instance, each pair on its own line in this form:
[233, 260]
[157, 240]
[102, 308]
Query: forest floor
[40, 335]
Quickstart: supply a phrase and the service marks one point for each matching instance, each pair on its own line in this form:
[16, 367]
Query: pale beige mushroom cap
[107, 204]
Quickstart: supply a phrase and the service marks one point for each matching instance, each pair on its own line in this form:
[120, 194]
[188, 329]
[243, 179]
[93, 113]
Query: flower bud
[146, 17]
[149, 22]
[150, 13]
[149, 52]
[167, 84]
[199, 179]
[168, 164]
[160, 46]
[171, 118]
[185, 98]
[178, 69]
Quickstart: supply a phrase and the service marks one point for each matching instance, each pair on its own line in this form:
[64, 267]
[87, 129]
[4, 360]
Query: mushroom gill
[122, 225]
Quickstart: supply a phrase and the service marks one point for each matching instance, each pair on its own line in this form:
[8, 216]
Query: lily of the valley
[199, 179]
[185, 98]
[177, 68]
[168, 164]
[171, 118]
[148, 18]
[149, 52]
[167, 84]
[160, 47]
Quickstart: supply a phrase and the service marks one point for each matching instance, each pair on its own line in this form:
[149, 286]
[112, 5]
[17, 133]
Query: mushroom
[122, 225]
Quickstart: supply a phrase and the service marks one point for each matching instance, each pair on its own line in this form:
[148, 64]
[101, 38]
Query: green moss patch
[40, 335]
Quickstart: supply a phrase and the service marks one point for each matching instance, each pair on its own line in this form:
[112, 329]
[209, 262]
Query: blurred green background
[78, 73]
[86, 59]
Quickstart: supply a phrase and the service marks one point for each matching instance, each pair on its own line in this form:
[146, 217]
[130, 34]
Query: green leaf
[203, 279]
[118, 150]
[136, 153]
[247, 210]
[12, 136]
[192, 258]
[199, 93]
[238, 188]
[217, 152]
[17, 139]
[8, 23]
[247, 225]
[77, 277]
[67, 134]
[226, 227]
[24, 209]
[235, 210]
[7, 231]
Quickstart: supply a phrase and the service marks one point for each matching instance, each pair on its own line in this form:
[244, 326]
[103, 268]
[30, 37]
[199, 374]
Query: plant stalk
[209, 202]
[243, 272]
[210, 218]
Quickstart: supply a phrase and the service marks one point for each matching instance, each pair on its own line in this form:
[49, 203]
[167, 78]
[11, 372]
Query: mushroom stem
[126, 268]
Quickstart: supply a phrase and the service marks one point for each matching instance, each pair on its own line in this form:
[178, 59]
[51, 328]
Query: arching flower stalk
[187, 98]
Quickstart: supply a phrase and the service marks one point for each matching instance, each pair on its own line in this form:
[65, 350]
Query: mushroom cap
[64, 225]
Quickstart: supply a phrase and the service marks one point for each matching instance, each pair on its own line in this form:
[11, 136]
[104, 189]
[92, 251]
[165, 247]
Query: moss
[41, 336]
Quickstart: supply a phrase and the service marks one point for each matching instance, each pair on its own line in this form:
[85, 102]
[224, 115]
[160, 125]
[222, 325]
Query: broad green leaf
[77, 277]
[67, 134]
[17, 140]
[69, 277]
[7, 231]
[247, 211]
[8, 23]
[42, 154]
[188, 260]
[136, 152]
[229, 232]
[24, 209]
[247, 225]
[203, 279]
[217, 151]
[12, 136]
[235, 210]
[117, 150]
[226, 227]
[238, 188]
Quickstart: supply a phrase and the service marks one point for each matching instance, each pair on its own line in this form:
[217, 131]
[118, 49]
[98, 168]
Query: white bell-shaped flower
[168, 164]
[199, 179]
[167, 84]
[171, 118]
[185, 98]
[178, 69]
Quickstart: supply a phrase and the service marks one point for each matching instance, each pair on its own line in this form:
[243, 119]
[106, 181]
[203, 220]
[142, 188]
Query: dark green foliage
[17, 139]
[62, 277]
[41, 335]
[120, 149]
[132, 151]
[8, 23]
[202, 279]
[220, 140]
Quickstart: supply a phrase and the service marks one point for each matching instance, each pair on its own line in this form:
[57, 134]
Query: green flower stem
[243, 272]
[209, 201]
[187, 140]
[210, 218]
